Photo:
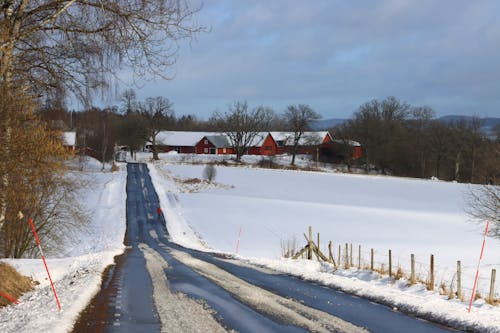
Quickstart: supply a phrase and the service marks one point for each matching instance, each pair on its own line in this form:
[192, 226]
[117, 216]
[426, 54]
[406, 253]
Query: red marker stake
[10, 298]
[238, 242]
[44, 262]
[477, 269]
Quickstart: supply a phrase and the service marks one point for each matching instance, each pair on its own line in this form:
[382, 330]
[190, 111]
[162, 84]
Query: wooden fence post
[459, 279]
[350, 257]
[330, 253]
[412, 276]
[346, 256]
[390, 263]
[431, 277]
[339, 255]
[359, 257]
[309, 250]
[371, 259]
[318, 251]
[318, 244]
[491, 298]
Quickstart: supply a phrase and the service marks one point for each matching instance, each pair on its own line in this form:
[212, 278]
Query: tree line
[405, 140]
[397, 138]
[136, 123]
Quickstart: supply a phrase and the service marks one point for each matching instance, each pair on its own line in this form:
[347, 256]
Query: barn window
[206, 141]
[205, 150]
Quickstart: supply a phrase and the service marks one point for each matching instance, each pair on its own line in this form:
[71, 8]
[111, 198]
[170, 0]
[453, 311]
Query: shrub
[209, 172]
[12, 283]
[289, 247]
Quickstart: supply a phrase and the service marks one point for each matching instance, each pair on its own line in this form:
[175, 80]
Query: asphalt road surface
[158, 286]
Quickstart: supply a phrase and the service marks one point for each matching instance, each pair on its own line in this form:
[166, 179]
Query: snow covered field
[408, 216]
[76, 272]
[405, 215]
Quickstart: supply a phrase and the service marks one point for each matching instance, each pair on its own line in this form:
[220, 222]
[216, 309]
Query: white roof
[190, 139]
[69, 138]
[258, 139]
[181, 138]
[308, 138]
[349, 142]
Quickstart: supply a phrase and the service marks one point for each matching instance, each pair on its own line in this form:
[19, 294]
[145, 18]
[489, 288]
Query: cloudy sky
[336, 55]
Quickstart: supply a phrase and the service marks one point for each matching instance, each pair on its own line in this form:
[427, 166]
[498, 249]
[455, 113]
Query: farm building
[69, 140]
[214, 144]
[264, 143]
[179, 141]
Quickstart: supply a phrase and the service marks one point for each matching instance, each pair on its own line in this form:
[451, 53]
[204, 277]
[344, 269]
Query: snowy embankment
[76, 272]
[408, 216]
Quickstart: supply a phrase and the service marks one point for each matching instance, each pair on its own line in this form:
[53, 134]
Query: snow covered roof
[258, 140]
[69, 138]
[349, 142]
[219, 141]
[308, 138]
[180, 138]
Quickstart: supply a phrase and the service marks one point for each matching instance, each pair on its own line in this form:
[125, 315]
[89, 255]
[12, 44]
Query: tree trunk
[155, 153]
[153, 145]
[239, 153]
[294, 152]
[438, 166]
[457, 167]
[104, 147]
[473, 165]
[5, 143]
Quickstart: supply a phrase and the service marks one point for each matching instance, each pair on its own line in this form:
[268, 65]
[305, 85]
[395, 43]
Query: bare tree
[299, 118]
[157, 114]
[418, 128]
[242, 125]
[484, 204]
[37, 187]
[379, 126]
[130, 132]
[52, 43]
[78, 46]
[129, 101]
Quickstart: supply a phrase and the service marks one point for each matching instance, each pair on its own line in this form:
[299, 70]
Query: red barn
[179, 141]
[214, 144]
[269, 146]
[308, 143]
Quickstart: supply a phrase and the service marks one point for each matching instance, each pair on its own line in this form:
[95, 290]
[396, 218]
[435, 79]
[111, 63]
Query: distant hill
[324, 124]
[488, 123]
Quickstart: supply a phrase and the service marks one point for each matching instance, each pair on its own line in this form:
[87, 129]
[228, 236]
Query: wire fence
[455, 283]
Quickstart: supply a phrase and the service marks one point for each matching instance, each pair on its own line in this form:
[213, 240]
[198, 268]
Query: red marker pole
[238, 242]
[477, 269]
[10, 298]
[44, 262]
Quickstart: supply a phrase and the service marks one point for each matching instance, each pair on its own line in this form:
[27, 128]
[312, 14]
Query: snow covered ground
[76, 272]
[408, 216]
[268, 206]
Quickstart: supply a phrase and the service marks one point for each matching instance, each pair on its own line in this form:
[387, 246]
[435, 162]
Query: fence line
[386, 262]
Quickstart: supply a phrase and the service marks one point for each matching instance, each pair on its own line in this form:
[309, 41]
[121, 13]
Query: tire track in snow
[267, 302]
[177, 312]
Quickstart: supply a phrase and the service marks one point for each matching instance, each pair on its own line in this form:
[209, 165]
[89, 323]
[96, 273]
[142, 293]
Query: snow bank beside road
[77, 274]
